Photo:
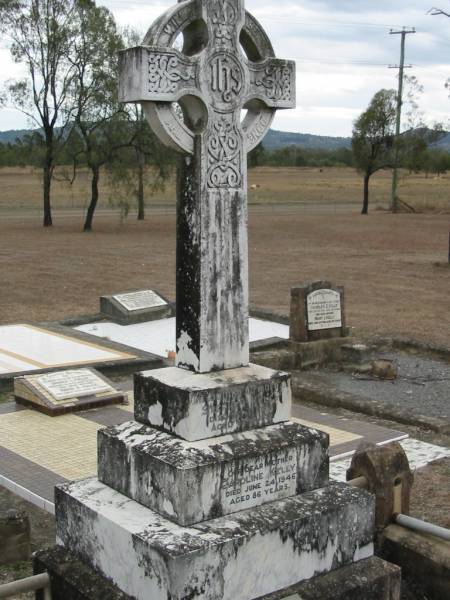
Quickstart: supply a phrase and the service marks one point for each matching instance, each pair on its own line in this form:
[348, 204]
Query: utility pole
[404, 32]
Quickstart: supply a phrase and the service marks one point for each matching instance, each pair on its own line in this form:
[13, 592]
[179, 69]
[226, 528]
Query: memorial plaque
[64, 392]
[140, 300]
[77, 383]
[324, 310]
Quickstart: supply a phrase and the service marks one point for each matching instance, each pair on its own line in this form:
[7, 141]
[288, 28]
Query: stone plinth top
[198, 406]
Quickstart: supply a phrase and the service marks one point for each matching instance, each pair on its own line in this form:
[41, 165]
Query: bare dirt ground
[386, 263]
[21, 189]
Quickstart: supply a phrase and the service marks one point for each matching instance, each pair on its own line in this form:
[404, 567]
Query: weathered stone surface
[252, 553]
[14, 537]
[312, 320]
[212, 80]
[369, 579]
[423, 558]
[389, 476]
[190, 482]
[199, 406]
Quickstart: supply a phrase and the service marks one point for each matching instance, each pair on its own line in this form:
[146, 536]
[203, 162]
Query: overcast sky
[342, 49]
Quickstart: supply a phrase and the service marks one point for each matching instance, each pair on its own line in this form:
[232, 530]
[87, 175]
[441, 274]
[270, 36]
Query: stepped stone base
[369, 579]
[247, 555]
[190, 482]
[196, 406]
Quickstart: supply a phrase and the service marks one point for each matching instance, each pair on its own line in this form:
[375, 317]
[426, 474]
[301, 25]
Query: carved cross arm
[149, 74]
[273, 82]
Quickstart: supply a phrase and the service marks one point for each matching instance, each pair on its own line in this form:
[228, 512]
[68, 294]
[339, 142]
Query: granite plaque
[77, 383]
[324, 310]
[140, 300]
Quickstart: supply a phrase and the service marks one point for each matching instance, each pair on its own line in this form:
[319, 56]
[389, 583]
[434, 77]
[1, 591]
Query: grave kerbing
[262, 517]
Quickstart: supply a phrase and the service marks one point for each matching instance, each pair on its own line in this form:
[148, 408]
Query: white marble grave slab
[158, 337]
[324, 310]
[140, 300]
[29, 348]
[10, 364]
[76, 383]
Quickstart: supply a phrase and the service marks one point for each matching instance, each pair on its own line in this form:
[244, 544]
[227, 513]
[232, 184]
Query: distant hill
[279, 139]
[273, 140]
[9, 137]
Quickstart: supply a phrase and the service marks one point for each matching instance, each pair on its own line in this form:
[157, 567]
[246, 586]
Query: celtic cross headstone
[212, 493]
[226, 66]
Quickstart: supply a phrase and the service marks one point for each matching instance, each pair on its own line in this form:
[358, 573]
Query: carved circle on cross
[185, 19]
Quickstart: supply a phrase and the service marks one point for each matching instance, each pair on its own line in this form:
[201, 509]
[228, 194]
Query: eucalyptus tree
[101, 126]
[41, 35]
[374, 138]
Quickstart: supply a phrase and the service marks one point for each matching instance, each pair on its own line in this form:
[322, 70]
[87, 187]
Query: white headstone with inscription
[324, 310]
[76, 383]
[140, 300]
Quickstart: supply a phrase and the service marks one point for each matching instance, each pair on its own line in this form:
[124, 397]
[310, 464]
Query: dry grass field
[20, 189]
[386, 262]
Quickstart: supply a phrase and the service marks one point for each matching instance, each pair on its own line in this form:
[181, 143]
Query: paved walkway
[37, 452]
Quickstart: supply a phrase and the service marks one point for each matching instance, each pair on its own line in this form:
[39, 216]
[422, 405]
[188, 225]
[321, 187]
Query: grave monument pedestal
[211, 494]
[236, 515]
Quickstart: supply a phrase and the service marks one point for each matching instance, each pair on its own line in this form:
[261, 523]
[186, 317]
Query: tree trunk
[365, 209]
[140, 194]
[94, 198]
[48, 166]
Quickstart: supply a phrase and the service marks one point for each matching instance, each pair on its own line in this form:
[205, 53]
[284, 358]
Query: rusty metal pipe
[30, 584]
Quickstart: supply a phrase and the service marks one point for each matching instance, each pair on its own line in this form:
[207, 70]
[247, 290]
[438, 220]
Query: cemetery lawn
[387, 263]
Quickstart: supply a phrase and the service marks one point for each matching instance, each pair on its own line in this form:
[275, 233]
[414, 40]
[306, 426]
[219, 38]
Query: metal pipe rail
[422, 526]
[30, 584]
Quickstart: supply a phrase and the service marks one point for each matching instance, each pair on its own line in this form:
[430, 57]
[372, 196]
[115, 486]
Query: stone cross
[226, 66]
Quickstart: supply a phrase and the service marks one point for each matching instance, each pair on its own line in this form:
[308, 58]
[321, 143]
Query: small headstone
[317, 312]
[63, 392]
[135, 307]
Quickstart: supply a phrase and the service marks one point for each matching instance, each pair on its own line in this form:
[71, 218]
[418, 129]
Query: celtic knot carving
[224, 155]
[224, 19]
[277, 82]
[165, 71]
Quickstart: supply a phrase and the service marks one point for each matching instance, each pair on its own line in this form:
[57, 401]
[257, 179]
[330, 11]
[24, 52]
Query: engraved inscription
[165, 71]
[324, 310]
[224, 149]
[265, 479]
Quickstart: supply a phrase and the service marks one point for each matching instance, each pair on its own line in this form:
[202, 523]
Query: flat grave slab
[135, 307]
[29, 349]
[158, 337]
[68, 391]
[190, 482]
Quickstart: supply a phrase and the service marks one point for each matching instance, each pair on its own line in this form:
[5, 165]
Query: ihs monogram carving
[226, 79]
[165, 71]
[224, 155]
[277, 83]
